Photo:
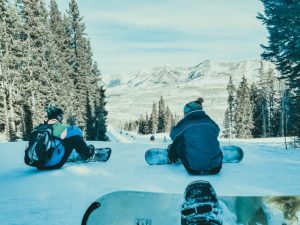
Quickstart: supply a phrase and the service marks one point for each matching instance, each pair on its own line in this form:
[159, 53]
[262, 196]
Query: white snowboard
[147, 208]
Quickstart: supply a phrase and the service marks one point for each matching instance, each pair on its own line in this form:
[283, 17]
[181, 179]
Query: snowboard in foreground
[159, 156]
[100, 155]
[147, 208]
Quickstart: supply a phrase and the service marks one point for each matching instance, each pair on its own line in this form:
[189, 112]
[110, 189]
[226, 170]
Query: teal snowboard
[159, 156]
[147, 208]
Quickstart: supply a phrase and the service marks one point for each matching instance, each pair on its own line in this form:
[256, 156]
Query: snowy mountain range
[130, 95]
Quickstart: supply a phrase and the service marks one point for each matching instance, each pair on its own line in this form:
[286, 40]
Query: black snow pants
[176, 152]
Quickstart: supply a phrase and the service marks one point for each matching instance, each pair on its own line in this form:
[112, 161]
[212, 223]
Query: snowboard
[159, 156]
[100, 155]
[148, 208]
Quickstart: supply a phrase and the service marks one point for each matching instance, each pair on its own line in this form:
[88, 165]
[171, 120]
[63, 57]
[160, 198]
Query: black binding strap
[88, 212]
[197, 210]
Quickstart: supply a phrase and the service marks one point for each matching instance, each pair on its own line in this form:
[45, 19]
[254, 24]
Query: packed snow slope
[32, 197]
[130, 95]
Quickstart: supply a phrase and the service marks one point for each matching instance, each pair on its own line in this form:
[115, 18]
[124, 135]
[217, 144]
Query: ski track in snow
[32, 197]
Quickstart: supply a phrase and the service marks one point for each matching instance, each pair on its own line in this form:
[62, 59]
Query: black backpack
[39, 150]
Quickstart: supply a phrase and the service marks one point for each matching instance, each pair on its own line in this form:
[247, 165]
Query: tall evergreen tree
[84, 72]
[153, 121]
[243, 111]
[269, 101]
[101, 116]
[10, 77]
[142, 128]
[36, 73]
[168, 120]
[4, 116]
[90, 131]
[281, 20]
[161, 116]
[26, 125]
[229, 115]
[226, 125]
[41, 57]
[61, 69]
[175, 120]
[283, 109]
[257, 102]
[78, 59]
[146, 124]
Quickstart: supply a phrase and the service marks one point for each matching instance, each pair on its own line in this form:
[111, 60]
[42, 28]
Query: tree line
[161, 120]
[256, 110]
[46, 58]
[281, 18]
[264, 110]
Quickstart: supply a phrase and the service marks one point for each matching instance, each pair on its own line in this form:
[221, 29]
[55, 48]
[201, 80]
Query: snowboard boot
[101, 155]
[200, 206]
[89, 154]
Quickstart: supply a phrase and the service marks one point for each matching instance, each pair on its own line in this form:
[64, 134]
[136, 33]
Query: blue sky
[127, 35]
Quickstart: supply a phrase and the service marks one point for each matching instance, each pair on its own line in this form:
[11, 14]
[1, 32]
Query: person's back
[196, 141]
[65, 139]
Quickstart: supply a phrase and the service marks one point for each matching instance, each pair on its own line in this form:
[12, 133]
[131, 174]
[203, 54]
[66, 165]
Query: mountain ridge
[130, 95]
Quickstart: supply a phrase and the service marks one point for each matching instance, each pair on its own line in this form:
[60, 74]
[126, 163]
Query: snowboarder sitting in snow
[195, 141]
[65, 139]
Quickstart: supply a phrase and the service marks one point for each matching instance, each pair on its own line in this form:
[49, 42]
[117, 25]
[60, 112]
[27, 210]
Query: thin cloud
[160, 31]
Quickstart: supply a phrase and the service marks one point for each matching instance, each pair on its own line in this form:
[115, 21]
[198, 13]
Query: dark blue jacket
[200, 133]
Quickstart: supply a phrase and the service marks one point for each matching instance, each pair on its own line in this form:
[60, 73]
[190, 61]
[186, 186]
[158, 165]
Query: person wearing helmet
[195, 141]
[66, 138]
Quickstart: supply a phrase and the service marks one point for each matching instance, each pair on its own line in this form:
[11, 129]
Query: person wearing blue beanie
[195, 141]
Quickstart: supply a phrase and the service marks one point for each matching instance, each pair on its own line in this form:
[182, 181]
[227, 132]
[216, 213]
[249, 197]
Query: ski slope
[32, 197]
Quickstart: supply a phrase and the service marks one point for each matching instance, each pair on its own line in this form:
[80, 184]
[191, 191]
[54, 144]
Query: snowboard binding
[101, 155]
[96, 155]
[200, 206]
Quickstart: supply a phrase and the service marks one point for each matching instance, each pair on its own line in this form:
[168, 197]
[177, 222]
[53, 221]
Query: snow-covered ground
[32, 197]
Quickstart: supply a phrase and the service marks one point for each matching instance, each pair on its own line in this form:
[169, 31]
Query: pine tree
[4, 116]
[61, 69]
[90, 131]
[41, 57]
[161, 116]
[101, 117]
[142, 126]
[257, 102]
[10, 54]
[36, 77]
[283, 109]
[243, 111]
[175, 120]
[269, 101]
[153, 121]
[27, 124]
[281, 20]
[79, 58]
[146, 124]
[2, 104]
[83, 74]
[229, 116]
[226, 125]
[168, 120]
